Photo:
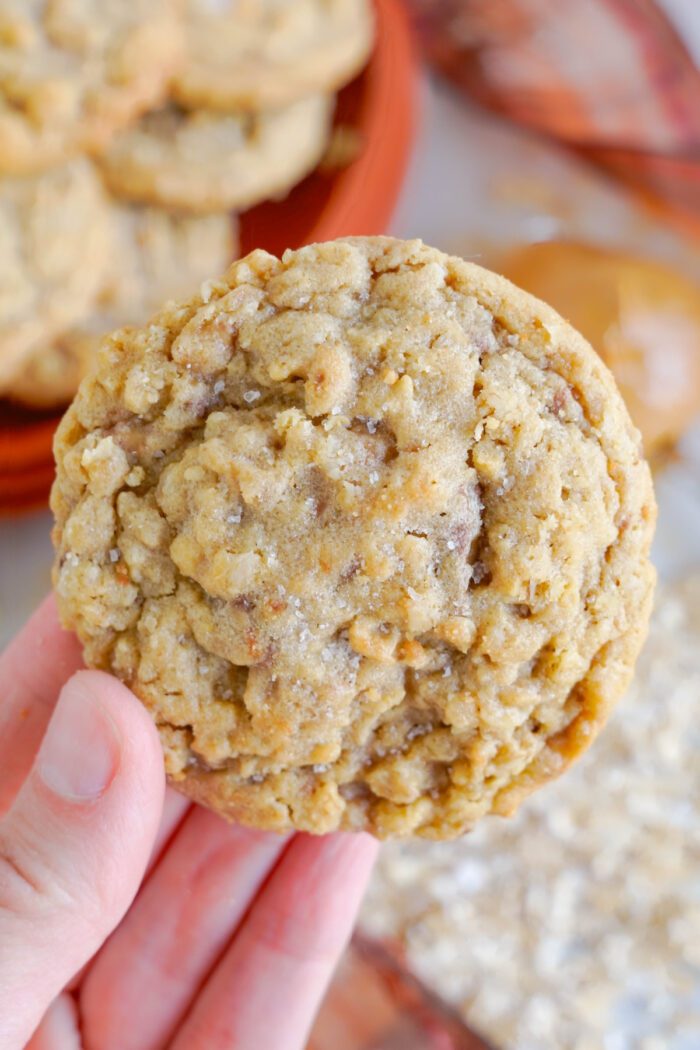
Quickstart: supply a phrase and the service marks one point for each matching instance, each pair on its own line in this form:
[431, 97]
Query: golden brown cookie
[367, 529]
[209, 161]
[257, 54]
[155, 256]
[54, 242]
[642, 317]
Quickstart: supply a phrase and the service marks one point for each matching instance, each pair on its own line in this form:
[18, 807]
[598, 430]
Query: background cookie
[367, 530]
[154, 256]
[54, 239]
[253, 54]
[72, 71]
[208, 161]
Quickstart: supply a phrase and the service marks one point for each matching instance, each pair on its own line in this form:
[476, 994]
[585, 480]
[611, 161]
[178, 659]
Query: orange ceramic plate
[359, 199]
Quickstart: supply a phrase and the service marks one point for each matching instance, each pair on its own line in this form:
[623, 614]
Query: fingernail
[80, 752]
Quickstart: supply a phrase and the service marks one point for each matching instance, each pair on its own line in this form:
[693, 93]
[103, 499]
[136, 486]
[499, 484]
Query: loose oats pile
[576, 926]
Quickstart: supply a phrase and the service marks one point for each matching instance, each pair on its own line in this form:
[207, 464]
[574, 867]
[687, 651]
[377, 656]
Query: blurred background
[557, 142]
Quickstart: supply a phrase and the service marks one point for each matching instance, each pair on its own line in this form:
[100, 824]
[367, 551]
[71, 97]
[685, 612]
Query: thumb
[75, 844]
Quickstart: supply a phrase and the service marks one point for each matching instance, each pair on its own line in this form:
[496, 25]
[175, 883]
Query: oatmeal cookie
[73, 71]
[258, 54]
[54, 243]
[209, 161]
[367, 529]
[155, 256]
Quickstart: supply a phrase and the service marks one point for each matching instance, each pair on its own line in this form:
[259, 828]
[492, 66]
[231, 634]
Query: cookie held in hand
[366, 528]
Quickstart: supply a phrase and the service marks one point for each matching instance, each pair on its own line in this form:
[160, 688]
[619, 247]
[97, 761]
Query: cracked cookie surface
[367, 530]
[262, 53]
[73, 71]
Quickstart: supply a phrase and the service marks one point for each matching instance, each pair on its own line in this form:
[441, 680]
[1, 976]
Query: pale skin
[130, 919]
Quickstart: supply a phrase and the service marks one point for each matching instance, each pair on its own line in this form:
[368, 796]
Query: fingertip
[140, 743]
[81, 753]
[102, 746]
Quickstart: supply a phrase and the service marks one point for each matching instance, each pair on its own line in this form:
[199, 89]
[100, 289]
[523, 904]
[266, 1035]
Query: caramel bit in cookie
[326, 524]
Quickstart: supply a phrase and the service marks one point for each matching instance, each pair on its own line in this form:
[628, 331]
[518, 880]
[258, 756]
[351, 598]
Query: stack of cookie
[130, 134]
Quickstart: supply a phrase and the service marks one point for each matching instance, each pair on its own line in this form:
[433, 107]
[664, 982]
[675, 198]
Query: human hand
[228, 940]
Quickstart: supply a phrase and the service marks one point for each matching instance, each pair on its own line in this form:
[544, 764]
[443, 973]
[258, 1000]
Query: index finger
[33, 668]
